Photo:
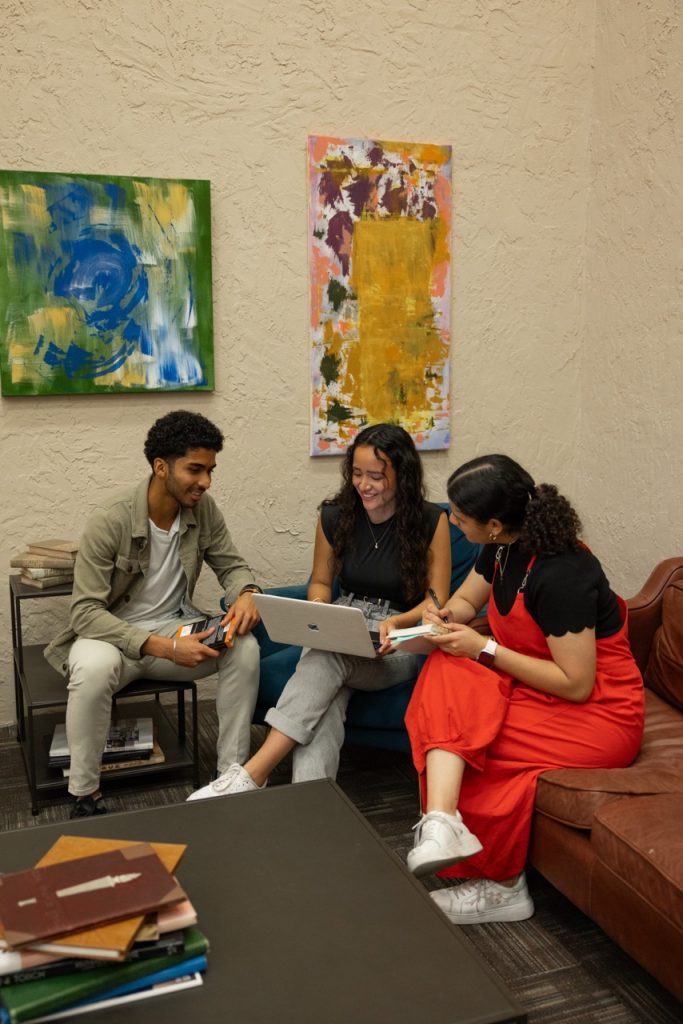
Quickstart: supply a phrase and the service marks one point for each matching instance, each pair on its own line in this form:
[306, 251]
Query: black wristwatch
[251, 588]
[487, 653]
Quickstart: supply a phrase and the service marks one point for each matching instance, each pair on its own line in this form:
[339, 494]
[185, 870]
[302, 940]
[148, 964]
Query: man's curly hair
[177, 433]
[497, 487]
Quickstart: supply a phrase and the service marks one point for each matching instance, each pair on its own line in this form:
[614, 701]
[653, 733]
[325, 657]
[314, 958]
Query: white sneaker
[235, 780]
[480, 900]
[440, 839]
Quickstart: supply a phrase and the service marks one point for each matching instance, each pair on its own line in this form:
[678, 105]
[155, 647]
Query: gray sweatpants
[98, 669]
[312, 707]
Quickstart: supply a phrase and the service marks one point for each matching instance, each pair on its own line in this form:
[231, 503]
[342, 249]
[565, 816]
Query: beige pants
[98, 669]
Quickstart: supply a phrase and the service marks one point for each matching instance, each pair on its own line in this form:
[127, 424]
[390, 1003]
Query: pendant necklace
[378, 540]
[502, 562]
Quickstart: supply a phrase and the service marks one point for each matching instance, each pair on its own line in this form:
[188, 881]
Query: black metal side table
[40, 696]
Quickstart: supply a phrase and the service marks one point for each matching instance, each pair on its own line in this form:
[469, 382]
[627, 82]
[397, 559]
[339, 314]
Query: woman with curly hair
[387, 546]
[555, 686]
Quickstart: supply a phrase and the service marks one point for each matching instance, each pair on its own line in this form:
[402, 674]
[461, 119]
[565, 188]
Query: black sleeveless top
[375, 572]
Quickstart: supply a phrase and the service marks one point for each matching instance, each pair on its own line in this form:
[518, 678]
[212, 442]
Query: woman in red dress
[555, 686]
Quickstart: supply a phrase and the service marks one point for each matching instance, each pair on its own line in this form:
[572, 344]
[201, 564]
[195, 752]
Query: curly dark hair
[497, 487]
[178, 432]
[394, 444]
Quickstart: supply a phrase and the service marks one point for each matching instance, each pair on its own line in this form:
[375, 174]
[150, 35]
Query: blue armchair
[373, 719]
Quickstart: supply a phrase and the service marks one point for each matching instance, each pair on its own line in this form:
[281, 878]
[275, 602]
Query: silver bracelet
[174, 643]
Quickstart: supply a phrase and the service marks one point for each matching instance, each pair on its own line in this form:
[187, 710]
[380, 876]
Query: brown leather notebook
[107, 941]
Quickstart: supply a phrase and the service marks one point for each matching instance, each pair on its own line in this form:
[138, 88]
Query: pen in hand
[443, 615]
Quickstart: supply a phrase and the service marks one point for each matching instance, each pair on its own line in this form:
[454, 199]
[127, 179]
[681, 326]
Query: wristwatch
[488, 652]
[251, 588]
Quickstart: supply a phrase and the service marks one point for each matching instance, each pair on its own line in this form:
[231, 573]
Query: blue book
[191, 966]
[186, 974]
[33, 999]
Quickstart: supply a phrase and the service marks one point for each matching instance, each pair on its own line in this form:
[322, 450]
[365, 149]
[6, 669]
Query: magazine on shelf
[156, 757]
[128, 739]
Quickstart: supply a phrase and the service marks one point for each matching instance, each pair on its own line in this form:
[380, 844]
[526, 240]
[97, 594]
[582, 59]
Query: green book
[34, 998]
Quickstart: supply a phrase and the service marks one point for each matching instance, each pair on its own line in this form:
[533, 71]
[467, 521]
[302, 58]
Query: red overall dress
[509, 733]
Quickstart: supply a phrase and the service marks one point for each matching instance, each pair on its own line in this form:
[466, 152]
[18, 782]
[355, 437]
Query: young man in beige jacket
[138, 562]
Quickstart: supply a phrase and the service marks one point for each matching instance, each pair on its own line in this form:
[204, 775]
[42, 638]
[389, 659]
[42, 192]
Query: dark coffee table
[311, 918]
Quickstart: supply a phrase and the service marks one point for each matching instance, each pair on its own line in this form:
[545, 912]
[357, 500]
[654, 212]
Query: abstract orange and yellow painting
[380, 216]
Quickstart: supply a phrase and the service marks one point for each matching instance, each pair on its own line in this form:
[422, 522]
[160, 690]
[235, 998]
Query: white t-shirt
[162, 592]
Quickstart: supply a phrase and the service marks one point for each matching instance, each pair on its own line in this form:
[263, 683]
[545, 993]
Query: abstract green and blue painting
[105, 284]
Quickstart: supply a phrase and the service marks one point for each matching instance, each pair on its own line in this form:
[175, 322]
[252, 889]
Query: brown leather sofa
[612, 840]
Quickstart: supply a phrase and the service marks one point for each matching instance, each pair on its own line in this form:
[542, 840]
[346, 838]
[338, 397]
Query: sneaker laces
[226, 779]
[428, 825]
[482, 894]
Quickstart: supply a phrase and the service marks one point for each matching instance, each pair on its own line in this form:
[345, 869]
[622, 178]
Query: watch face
[486, 658]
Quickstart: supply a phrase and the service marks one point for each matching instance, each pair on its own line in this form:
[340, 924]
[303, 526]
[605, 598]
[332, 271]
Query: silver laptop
[325, 627]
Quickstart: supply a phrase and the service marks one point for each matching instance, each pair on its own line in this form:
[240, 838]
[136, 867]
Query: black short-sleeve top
[564, 593]
[375, 571]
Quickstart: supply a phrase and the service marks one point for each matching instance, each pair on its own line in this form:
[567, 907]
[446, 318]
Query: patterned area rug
[559, 965]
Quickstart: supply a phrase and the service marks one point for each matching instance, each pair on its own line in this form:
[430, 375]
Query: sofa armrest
[645, 608]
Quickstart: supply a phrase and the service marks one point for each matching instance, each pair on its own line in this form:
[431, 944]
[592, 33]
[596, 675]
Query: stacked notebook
[128, 740]
[46, 563]
[97, 923]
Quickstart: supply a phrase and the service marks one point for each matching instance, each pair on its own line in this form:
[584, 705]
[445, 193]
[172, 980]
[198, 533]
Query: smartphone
[220, 638]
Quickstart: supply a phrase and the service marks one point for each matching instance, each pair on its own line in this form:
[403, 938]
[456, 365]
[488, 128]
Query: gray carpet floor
[559, 965]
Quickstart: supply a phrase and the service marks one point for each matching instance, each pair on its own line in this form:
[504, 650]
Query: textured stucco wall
[631, 473]
[228, 91]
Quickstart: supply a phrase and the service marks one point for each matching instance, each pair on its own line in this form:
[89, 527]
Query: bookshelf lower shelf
[177, 757]
[40, 696]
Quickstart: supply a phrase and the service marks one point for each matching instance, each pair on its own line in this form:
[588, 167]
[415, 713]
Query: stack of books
[46, 563]
[97, 923]
[129, 741]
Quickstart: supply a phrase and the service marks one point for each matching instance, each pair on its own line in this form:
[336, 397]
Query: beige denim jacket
[113, 556]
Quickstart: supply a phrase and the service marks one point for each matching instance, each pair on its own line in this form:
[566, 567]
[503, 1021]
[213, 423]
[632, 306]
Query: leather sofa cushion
[573, 796]
[641, 841]
[664, 672]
